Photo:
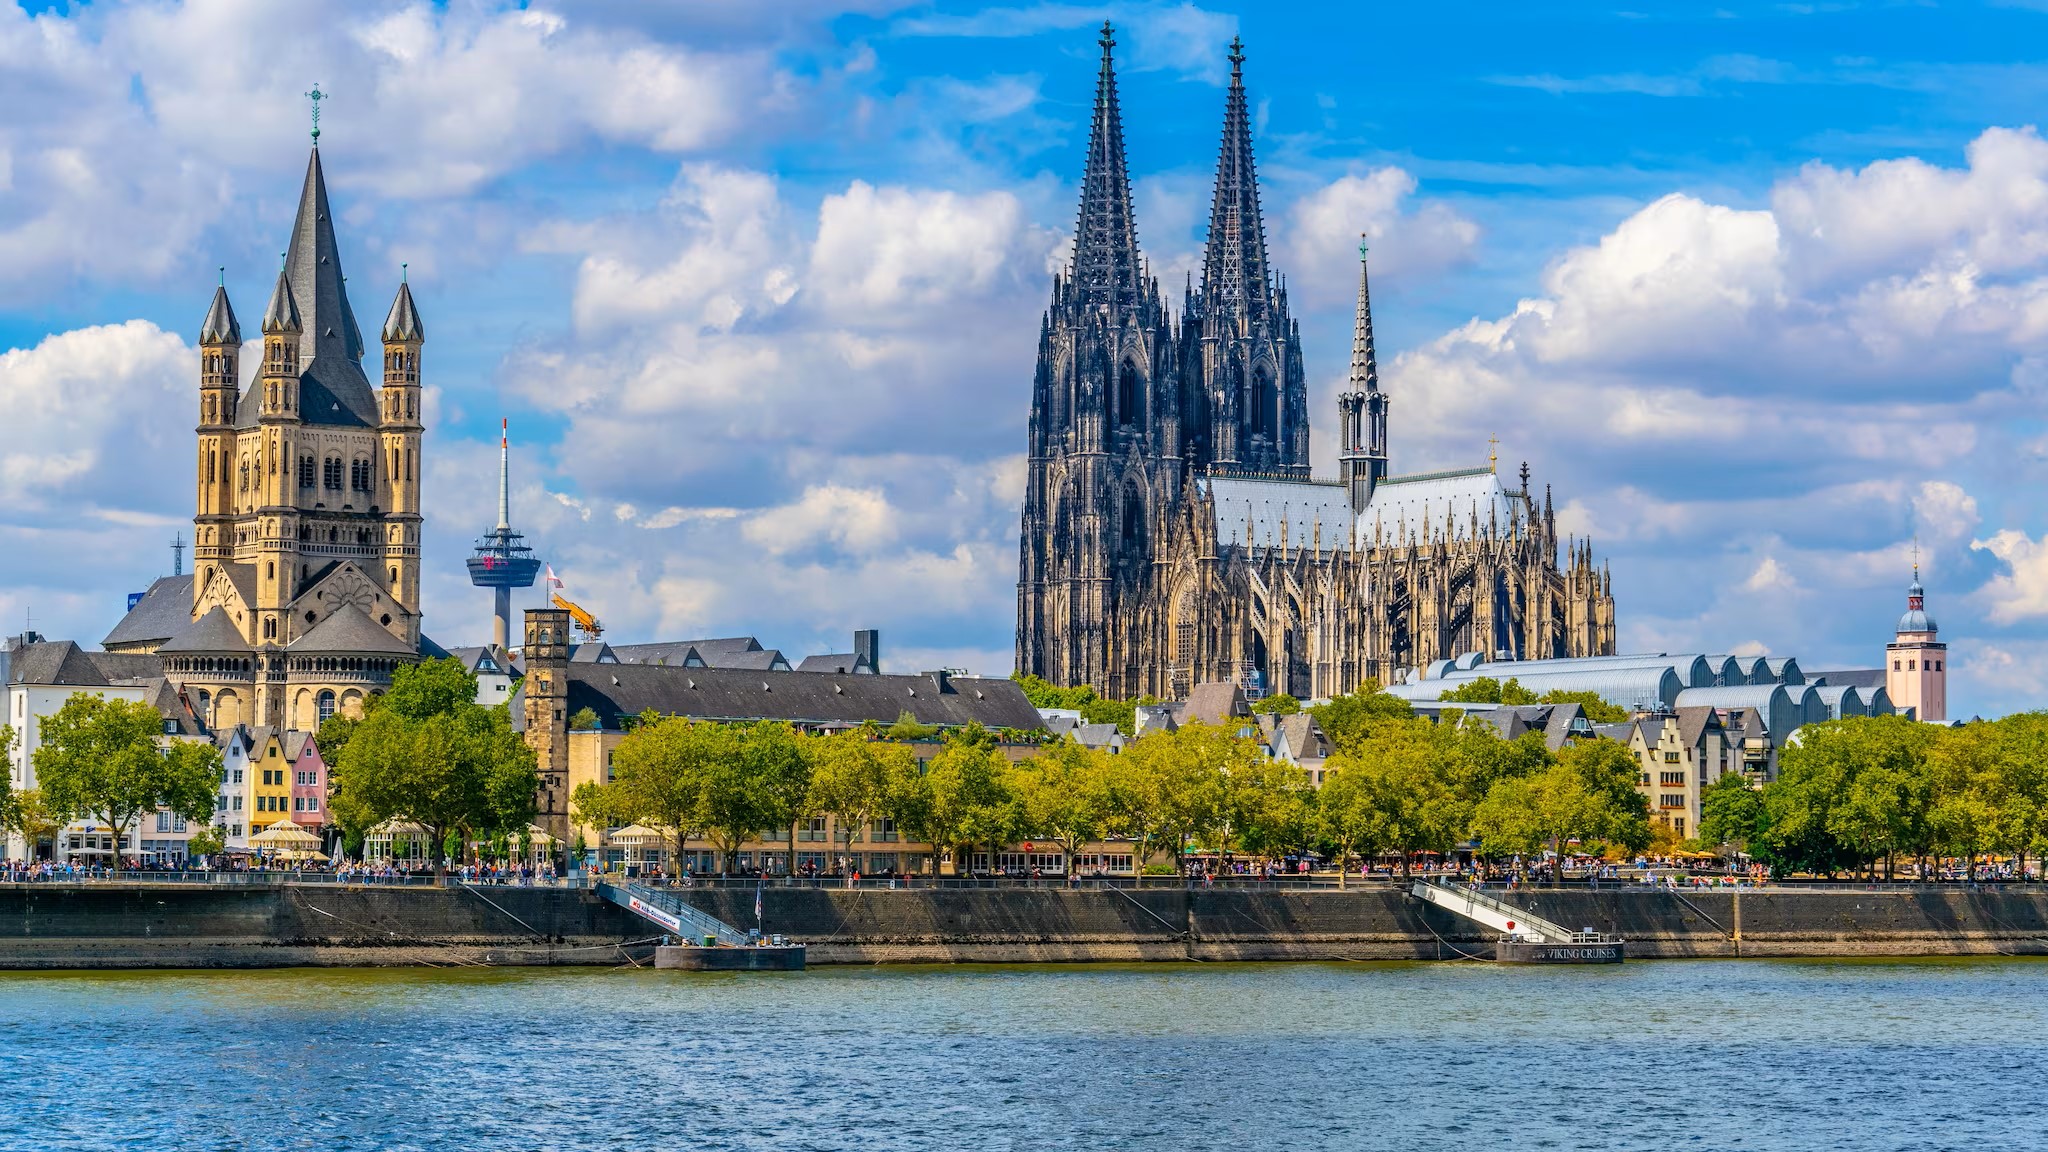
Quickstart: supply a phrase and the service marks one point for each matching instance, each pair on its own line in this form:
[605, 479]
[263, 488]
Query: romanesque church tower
[306, 524]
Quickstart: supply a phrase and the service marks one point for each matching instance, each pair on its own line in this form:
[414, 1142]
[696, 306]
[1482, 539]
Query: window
[1671, 779]
[330, 473]
[1671, 800]
[885, 831]
[238, 803]
[1895, 665]
[178, 824]
[220, 804]
[1671, 757]
[325, 706]
[298, 804]
[312, 803]
[1912, 665]
[163, 821]
[1937, 665]
[238, 776]
[813, 829]
[305, 471]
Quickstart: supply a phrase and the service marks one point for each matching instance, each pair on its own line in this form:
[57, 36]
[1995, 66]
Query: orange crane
[585, 622]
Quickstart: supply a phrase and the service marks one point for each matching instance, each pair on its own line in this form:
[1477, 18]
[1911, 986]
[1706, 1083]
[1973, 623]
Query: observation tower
[502, 561]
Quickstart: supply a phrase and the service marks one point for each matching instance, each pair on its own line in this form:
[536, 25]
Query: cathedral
[304, 594]
[1172, 533]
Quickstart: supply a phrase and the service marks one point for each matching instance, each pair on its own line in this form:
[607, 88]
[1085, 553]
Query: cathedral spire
[318, 287]
[1365, 369]
[1362, 458]
[1235, 277]
[1106, 267]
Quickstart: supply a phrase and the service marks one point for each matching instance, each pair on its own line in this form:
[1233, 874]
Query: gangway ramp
[1524, 936]
[671, 913]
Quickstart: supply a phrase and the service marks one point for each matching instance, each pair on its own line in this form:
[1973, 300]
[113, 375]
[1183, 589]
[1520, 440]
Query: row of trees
[1487, 690]
[105, 761]
[1397, 784]
[1863, 792]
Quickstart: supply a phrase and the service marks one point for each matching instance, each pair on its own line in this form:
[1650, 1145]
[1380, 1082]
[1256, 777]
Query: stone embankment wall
[172, 926]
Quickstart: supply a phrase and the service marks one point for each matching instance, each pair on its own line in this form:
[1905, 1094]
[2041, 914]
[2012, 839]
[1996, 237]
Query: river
[1764, 1055]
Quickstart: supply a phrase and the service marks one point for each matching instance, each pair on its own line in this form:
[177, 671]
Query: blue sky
[1762, 291]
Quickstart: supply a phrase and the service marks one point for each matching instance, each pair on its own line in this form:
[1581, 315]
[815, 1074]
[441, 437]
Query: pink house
[309, 780]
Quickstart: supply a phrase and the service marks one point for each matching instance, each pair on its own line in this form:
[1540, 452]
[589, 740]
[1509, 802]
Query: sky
[1760, 292]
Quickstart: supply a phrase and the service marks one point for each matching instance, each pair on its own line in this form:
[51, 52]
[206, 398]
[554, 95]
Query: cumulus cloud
[1408, 239]
[97, 416]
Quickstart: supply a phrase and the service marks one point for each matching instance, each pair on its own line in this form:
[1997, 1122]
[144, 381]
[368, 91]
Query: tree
[207, 841]
[1487, 690]
[585, 720]
[1849, 793]
[431, 755]
[1609, 771]
[1063, 794]
[7, 742]
[1345, 719]
[28, 816]
[1731, 811]
[659, 775]
[1405, 772]
[1278, 704]
[1178, 780]
[1595, 706]
[1348, 814]
[908, 730]
[1093, 709]
[966, 800]
[855, 778]
[1260, 804]
[106, 759]
[1522, 815]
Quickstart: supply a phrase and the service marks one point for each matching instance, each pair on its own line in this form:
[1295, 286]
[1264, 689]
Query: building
[306, 522]
[1916, 663]
[1171, 532]
[1680, 755]
[40, 677]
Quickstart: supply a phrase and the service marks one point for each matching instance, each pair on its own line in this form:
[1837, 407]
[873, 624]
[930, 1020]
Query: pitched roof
[1217, 702]
[220, 325]
[162, 613]
[830, 662]
[64, 663]
[1302, 736]
[213, 632]
[348, 630]
[615, 690]
[172, 705]
[403, 323]
[1694, 723]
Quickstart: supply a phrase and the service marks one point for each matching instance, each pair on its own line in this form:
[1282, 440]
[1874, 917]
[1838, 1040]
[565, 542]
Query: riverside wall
[204, 926]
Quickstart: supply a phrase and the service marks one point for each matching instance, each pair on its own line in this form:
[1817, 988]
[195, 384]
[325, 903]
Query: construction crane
[585, 622]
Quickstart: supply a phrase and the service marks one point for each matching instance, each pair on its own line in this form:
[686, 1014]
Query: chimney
[867, 651]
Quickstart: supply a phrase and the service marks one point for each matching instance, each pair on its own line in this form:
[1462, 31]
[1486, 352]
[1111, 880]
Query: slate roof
[830, 662]
[1255, 510]
[220, 325]
[1694, 723]
[1406, 507]
[430, 650]
[348, 630]
[172, 705]
[213, 632]
[1849, 677]
[674, 655]
[403, 322]
[64, 663]
[162, 613]
[615, 690]
[1302, 737]
[725, 652]
[474, 658]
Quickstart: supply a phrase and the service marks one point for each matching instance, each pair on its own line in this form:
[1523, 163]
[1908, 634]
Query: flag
[554, 581]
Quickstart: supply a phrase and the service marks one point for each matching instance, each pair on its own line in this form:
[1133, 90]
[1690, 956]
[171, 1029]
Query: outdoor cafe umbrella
[302, 854]
[285, 834]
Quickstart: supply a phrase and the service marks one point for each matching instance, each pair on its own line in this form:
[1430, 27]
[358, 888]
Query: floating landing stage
[719, 946]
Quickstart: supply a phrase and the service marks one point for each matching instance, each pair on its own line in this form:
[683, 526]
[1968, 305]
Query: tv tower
[502, 560]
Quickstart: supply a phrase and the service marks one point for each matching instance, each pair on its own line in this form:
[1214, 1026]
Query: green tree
[1132, 797]
[207, 841]
[1849, 793]
[7, 742]
[1731, 811]
[1609, 771]
[659, 772]
[855, 779]
[28, 816]
[1348, 813]
[907, 730]
[1595, 706]
[1522, 815]
[1487, 690]
[1278, 704]
[584, 720]
[1346, 719]
[1261, 803]
[107, 760]
[1410, 771]
[765, 780]
[1181, 781]
[431, 755]
[966, 800]
[1063, 794]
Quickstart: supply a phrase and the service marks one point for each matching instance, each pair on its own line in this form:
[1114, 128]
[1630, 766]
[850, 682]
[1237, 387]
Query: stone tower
[1916, 662]
[1362, 407]
[546, 657]
[1242, 349]
[1104, 450]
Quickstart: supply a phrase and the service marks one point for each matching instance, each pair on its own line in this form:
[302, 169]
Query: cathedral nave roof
[211, 633]
[1412, 506]
[163, 611]
[348, 630]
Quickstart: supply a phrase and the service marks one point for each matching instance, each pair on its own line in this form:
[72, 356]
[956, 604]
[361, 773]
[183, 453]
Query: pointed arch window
[1127, 389]
[1265, 403]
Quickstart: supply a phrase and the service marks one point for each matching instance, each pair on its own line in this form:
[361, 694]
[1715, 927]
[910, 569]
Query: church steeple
[1235, 276]
[314, 265]
[1363, 456]
[1106, 269]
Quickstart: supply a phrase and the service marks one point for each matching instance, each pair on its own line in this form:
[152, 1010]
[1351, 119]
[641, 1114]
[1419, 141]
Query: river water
[1703, 1055]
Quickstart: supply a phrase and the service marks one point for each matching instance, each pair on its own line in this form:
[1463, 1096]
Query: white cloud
[890, 254]
[97, 415]
[855, 519]
[2021, 591]
[1408, 240]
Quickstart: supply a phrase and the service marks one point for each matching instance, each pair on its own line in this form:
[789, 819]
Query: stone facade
[1171, 531]
[306, 528]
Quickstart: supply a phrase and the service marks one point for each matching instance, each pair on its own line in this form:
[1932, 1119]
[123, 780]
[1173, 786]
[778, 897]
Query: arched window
[1127, 394]
[1264, 404]
[1134, 517]
[270, 629]
[324, 705]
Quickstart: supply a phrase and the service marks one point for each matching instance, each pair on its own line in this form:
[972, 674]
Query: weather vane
[1361, 245]
[1493, 454]
[316, 96]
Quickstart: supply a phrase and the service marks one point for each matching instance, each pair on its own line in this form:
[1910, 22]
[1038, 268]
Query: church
[1172, 533]
[304, 594]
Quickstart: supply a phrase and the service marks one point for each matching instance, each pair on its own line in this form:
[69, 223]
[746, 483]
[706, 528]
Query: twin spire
[1235, 276]
[1106, 268]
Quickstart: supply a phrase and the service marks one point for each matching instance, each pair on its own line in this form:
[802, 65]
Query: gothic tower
[1104, 453]
[1362, 457]
[1243, 350]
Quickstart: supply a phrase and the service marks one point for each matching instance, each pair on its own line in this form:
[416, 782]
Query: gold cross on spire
[316, 96]
[1493, 454]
